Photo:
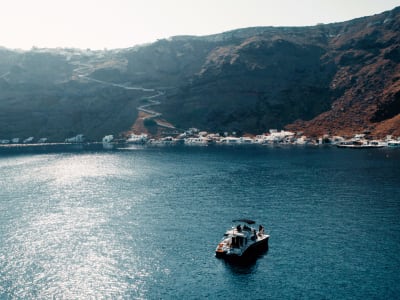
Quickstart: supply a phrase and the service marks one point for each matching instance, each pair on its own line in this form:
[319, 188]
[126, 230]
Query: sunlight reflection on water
[79, 168]
[65, 246]
[67, 253]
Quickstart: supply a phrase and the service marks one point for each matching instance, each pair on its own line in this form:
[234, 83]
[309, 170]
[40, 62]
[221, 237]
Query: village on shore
[195, 137]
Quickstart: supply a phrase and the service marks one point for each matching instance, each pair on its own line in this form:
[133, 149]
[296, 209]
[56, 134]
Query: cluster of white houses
[28, 140]
[80, 138]
[195, 137]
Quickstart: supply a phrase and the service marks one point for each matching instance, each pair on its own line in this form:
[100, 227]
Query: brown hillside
[367, 56]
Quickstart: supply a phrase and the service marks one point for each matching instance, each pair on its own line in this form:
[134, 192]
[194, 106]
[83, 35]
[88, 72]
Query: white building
[28, 140]
[80, 138]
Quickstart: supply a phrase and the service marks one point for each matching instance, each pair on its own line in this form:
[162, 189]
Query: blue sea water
[144, 224]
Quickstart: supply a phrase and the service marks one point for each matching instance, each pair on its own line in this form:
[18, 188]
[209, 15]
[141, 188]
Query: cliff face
[261, 82]
[41, 95]
[366, 54]
[338, 78]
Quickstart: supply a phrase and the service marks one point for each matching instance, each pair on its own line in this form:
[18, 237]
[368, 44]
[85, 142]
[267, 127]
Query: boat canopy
[245, 221]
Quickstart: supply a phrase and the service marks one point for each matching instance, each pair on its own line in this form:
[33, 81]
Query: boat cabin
[238, 241]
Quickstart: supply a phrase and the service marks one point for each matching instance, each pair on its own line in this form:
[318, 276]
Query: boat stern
[221, 249]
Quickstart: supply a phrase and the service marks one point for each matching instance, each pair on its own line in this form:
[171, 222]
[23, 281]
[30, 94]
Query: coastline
[41, 148]
[50, 147]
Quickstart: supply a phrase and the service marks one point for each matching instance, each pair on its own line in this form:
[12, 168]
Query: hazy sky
[99, 24]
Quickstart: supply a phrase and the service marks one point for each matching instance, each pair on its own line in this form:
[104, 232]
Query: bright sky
[99, 24]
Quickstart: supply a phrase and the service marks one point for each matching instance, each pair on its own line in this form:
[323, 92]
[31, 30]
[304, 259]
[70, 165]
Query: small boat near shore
[199, 141]
[393, 143]
[360, 144]
[242, 241]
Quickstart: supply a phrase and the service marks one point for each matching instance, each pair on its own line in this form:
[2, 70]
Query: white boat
[242, 241]
[246, 140]
[137, 139]
[229, 141]
[393, 143]
[360, 144]
[166, 141]
[197, 141]
[29, 140]
[378, 144]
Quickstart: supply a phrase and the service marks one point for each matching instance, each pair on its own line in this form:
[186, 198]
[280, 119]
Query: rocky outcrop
[366, 55]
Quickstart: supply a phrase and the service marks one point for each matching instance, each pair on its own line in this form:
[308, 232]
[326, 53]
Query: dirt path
[83, 71]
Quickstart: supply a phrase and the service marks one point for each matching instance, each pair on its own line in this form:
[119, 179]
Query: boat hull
[252, 252]
[359, 146]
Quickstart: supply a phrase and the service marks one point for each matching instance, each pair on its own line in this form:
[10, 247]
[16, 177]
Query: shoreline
[50, 147]
[100, 147]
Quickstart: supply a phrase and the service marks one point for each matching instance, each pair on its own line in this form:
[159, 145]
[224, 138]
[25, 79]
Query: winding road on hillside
[83, 71]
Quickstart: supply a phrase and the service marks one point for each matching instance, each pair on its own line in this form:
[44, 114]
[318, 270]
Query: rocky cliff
[366, 55]
[340, 78]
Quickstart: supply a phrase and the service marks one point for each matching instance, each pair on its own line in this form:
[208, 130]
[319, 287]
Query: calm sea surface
[144, 224]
